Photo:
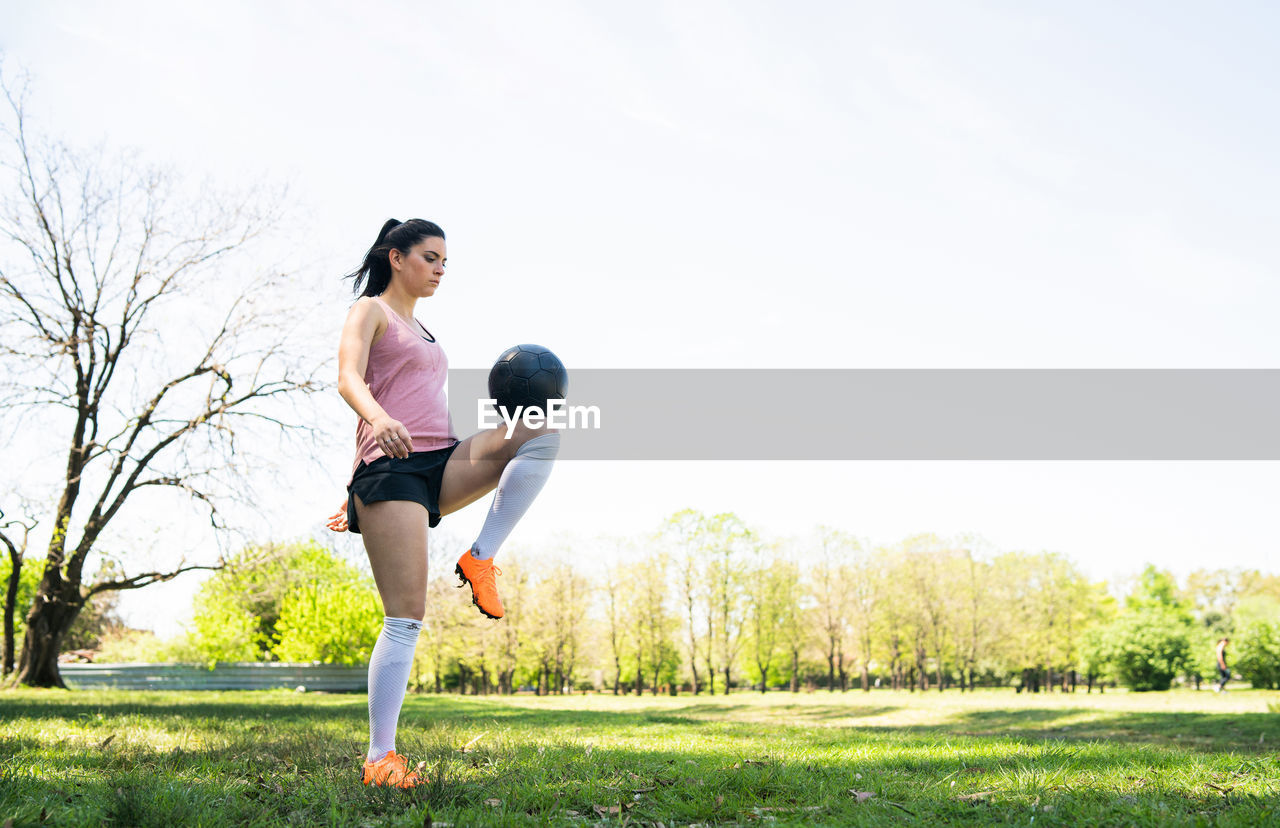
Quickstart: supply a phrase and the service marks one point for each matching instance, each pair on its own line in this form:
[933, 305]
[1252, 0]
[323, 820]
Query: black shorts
[416, 477]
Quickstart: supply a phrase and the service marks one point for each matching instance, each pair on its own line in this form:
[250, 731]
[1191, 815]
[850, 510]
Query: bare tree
[123, 321]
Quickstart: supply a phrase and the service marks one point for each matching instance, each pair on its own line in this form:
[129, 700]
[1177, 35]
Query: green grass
[280, 758]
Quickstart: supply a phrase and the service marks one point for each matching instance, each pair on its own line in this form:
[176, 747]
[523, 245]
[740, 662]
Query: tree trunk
[710, 662]
[795, 671]
[54, 612]
[896, 661]
[831, 670]
[10, 605]
[726, 679]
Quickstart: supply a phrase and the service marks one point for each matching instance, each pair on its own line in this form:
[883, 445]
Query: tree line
[710, 605]
[707, 605]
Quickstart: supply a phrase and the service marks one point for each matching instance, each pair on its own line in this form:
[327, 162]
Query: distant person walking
[1224, 672]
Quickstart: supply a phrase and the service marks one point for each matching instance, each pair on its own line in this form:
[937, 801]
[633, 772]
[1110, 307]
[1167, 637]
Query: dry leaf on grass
[469, 745]
[1223, 791]
[106, 741]
[975, 796]
[611, 810]
[861, 796]
[493, 803]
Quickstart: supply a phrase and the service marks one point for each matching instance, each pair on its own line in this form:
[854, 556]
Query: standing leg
[395, 537]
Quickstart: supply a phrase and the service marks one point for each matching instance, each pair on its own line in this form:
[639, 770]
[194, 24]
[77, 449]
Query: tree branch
[147, 578]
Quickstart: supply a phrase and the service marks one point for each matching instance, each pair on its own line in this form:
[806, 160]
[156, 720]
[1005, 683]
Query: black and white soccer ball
[527, 376]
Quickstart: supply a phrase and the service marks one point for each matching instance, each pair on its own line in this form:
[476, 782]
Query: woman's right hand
[392, 437]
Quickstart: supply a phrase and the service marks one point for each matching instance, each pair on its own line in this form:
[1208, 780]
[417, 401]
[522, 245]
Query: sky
[727, 185]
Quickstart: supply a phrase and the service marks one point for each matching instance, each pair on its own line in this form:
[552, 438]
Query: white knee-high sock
[389, 668]
[519, 484]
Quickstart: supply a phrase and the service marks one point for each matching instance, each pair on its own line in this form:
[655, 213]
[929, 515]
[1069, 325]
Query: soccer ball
[527, 376]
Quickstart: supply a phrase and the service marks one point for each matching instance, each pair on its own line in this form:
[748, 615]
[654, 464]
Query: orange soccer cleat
[484, 589]
[391, 771]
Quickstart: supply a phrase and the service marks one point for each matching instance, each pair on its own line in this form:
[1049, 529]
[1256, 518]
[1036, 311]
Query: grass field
[884, 758]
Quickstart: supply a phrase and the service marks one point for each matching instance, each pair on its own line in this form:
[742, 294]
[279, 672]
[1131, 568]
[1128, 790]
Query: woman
[410, 469]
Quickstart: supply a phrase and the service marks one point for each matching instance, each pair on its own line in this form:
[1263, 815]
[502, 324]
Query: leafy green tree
[1259, 661]
[1257, 608]
[23, 591]
[223, 628]
[729, 541]
[831, 585]
[1157, 589]
[686, 532]
[769, 589]
[1148, 647]
[333, 621]
[1153, 641]
[297, 602]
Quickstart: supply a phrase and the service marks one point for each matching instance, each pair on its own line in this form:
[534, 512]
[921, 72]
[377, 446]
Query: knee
[544, 446]
[411, 610]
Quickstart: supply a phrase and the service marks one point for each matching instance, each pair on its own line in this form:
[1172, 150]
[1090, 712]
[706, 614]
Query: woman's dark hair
[375, 272]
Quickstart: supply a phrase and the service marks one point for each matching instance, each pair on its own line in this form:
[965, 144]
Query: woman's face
[421, 269]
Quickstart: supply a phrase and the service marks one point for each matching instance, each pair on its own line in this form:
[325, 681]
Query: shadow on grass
[1216, 732]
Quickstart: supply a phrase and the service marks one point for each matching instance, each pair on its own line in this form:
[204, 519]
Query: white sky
[753, 185]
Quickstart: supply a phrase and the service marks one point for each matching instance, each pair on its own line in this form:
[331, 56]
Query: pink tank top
[406, 374]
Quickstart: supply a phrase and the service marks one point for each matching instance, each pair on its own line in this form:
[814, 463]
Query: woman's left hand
[338, 520]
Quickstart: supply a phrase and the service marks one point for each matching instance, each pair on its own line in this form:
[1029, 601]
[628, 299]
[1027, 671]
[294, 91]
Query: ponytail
[374, 274]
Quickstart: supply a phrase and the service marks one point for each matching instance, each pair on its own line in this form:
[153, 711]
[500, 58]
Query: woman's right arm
[364, 322]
